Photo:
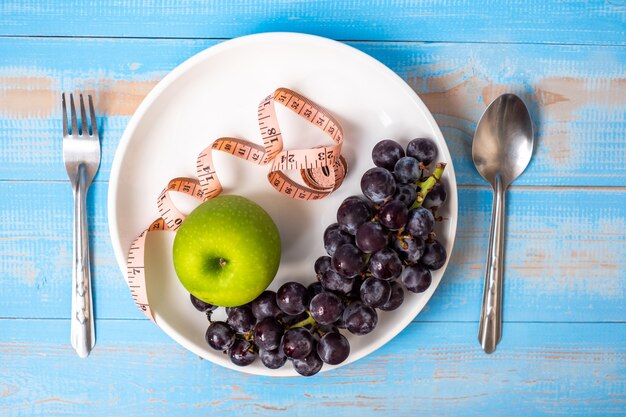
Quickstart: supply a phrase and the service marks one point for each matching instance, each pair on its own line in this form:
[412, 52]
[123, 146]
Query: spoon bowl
[501, 150]
[503, 142]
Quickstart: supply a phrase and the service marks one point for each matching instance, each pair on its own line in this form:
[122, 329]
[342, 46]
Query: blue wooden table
[564, 346]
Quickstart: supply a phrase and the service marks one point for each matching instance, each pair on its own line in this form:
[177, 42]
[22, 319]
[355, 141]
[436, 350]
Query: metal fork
[81, 154]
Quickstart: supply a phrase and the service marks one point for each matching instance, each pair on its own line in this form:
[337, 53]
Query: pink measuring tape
[322, 170]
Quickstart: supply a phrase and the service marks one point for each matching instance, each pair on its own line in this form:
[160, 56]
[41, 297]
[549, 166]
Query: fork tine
[84, 127]
[92, 113]
[64, 114]
[73, 115]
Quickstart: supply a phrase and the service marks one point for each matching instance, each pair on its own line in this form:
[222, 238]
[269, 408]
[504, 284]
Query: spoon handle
[490, 328]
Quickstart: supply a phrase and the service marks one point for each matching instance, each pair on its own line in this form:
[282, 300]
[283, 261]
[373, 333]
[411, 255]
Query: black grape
[265, 305]
[353, 212]
[201, 305]
[241, 319]
[395, 299]
[326, 308]
[393, 215]
[375, 292]
[334, 237]
[333, 281]
[242, 352]
[371, 237]
[272, 359]
[434, 255]
[407, 170]
[405, 193]
[359, 318]
[220, 336]
[385, 264]
[436, 196]
[321, 265]
[421, 222]
[297, 343]
[378, 184]
[348, 260]
[416, 278]
[308, 366]
[268, 333]
[422, 149]
[409, 248]
[333, 348]
[292, 298]
[386, 153]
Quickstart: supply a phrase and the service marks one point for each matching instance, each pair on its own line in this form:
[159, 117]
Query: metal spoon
[501, 150]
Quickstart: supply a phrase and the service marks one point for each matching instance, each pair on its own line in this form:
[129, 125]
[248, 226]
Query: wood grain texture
[564, 345]
[565, 261]
[430, 368]
[576, 94]
[533, 21]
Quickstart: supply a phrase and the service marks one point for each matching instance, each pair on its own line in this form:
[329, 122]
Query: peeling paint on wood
[430, 368]
[564, 345]
[532, 21]
[576, 101]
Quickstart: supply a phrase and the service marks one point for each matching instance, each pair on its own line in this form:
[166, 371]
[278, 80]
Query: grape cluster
[295, 323]
[382, 243]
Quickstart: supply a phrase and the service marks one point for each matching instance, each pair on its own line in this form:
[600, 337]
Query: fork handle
[82, 326]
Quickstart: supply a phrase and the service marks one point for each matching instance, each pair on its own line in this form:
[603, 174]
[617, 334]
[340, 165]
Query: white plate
[216, 93]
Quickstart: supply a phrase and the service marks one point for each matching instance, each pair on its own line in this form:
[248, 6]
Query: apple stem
[222, 262]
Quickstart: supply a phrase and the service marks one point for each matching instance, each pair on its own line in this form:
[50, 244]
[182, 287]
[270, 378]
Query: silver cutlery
[81, 154]
[501, 150]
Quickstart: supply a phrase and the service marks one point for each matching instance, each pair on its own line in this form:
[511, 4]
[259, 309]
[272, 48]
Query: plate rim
[205, 54]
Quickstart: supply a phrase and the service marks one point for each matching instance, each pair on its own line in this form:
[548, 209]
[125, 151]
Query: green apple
[227, 251]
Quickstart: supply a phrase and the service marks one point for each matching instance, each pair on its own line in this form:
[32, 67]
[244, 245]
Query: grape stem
[428, 184]
[309, 320]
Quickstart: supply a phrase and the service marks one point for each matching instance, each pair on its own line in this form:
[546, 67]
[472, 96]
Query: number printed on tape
[322, 170]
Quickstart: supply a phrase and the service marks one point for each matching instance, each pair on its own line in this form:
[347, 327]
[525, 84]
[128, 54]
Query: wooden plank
[566, 255]
[30, 89]
[36, 267]
[576, 97]
[563, 260]
[576, 94]
[539, 369]
[536, 21]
